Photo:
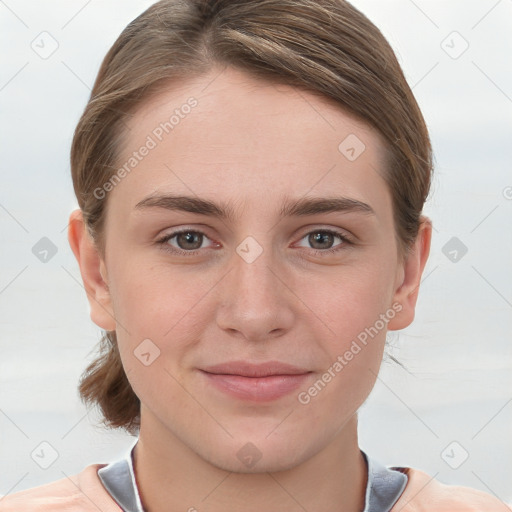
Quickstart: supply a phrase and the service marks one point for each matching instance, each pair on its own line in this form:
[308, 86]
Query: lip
[246, 369]
[256, 382]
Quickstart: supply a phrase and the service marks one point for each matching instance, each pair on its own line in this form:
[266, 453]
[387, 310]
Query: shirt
[396, 489]
[384, 486]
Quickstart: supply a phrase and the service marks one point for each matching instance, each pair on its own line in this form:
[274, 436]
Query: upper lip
[246, 369]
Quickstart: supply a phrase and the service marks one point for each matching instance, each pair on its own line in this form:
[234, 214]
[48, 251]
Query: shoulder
[77, 493]
[423, 493]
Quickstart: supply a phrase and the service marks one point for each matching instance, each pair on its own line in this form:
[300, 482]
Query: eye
[185, 241]
[323, 240]
[189, 242]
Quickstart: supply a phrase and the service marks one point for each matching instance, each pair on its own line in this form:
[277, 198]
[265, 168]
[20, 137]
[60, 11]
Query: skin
[253, 145]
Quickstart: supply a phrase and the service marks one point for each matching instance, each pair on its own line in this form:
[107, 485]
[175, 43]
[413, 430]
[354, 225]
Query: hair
[326, 47]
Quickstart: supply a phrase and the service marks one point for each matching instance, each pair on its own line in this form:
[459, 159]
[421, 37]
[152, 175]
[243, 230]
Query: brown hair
[323, 46]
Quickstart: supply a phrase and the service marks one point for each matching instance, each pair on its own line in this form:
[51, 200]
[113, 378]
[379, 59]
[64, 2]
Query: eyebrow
[300, 207]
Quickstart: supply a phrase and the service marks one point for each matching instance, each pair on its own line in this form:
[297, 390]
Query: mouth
[256, 382]
[246, 369]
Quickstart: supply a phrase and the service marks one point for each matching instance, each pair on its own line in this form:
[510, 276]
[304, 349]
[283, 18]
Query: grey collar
[118, 478]
[385, 485]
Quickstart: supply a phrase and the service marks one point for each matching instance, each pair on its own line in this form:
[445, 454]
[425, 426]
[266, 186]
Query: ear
[409, 277]
[93, 271]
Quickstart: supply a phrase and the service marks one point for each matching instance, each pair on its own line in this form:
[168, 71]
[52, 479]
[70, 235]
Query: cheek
[353, 350]
[354, 305]
[161, 319]
[164, 315]
[350, 301]
[156, 301]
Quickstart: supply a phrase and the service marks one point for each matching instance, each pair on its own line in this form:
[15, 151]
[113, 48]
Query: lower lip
[256, 389]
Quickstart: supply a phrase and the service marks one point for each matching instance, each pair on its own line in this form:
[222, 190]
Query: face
[283, 252]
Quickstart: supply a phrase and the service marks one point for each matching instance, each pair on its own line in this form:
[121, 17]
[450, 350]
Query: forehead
[252, 141]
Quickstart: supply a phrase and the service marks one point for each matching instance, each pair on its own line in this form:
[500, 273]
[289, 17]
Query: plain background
[454, 401]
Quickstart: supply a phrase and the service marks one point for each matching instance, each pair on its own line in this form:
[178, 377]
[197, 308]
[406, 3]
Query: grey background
[458, 351]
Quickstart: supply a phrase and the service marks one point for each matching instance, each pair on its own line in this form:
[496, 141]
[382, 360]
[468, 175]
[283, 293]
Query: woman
[251, 177]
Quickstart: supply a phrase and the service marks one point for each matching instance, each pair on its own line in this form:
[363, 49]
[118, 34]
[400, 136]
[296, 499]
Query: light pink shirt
[85, 492]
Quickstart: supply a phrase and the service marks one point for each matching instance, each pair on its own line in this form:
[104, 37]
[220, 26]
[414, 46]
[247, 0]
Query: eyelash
[318, 252]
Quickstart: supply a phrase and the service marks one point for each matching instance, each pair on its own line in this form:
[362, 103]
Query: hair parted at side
[327, 47]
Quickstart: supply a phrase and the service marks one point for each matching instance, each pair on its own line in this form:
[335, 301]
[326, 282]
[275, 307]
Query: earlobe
[93, 271]
[406, 293]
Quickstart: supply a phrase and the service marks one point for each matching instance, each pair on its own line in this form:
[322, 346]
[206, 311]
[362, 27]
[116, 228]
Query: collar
[384, 487]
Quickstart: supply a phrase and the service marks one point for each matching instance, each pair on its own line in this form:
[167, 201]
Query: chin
[258, 455]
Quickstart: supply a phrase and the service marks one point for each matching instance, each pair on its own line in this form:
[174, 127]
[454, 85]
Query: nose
[256, 301]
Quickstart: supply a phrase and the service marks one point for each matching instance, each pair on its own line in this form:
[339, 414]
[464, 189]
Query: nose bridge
[255, 303]
[255, 272]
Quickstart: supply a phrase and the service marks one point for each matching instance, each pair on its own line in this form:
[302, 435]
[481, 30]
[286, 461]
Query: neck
[171, 476]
